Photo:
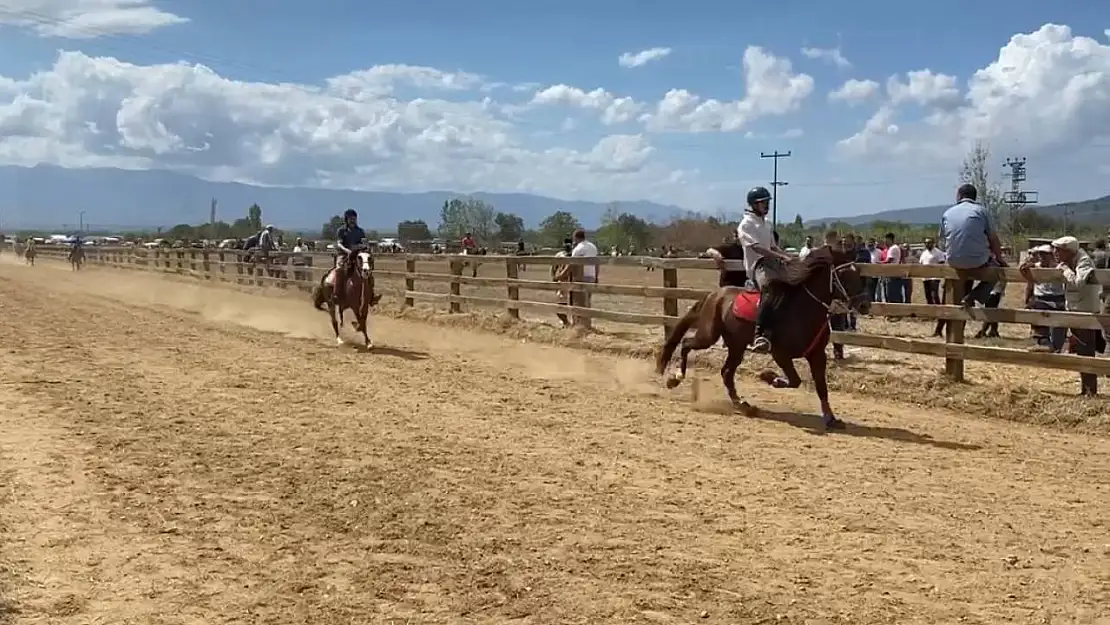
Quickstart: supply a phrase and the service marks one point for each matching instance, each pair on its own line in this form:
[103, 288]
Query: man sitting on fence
[971, 241]
[763, 260]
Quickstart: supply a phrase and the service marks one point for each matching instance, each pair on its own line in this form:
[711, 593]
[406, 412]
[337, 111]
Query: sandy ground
[174, 453]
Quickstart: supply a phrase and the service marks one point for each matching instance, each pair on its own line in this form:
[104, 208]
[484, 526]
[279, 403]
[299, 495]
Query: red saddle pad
[745, 305]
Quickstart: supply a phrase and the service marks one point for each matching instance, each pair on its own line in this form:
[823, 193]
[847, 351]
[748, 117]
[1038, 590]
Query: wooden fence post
[579, 298]
[410, 282]
[206, 263]
[955, 291]
[456, 270]
[512, 272]
[670, 304]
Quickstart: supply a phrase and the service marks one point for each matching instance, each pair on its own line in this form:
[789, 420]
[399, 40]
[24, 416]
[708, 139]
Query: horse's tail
[674, 337]
[318, 297]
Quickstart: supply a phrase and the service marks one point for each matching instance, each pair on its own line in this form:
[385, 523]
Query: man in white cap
[1081, 294]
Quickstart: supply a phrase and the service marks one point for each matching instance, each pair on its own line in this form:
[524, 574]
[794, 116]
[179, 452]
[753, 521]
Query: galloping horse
[815, 289]
[29, 253]
[76, 257]
[356, 294]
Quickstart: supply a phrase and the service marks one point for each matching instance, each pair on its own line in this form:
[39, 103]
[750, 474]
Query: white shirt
[1080, 295]
[298, 249]
[932, 257]
[893, 255]
[876, 255]
[754, 230]
[802, 253]
[585, 249]
[1047, 289]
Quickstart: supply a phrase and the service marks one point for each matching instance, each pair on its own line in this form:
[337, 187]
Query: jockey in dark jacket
[348, 239]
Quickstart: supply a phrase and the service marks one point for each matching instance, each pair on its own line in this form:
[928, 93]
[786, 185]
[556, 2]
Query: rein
[838, 295]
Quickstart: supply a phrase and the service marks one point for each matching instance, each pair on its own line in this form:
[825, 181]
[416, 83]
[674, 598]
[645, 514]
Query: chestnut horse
[815, 288]
[356, 295]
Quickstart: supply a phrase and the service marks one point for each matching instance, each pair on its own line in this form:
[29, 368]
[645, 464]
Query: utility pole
[775, 184]
[212, 220]
[80, 221]
[1017, 198]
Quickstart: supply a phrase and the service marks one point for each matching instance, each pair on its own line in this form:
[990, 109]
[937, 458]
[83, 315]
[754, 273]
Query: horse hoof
[745, 408]
[338, 340]
[673, 381]
[832, 423]
[767, 376]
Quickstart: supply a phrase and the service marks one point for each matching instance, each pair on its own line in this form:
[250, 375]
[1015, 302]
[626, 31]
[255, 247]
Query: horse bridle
[840, 302]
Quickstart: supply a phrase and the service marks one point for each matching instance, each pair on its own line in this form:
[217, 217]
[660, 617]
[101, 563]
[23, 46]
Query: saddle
[746, 304]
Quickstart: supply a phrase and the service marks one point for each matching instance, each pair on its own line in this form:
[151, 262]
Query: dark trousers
[838, 323]
[1046, 336]
[873, 289]
[1086, 341]
[896, 290]
[990, 328]
[981, 292]
[932, 292]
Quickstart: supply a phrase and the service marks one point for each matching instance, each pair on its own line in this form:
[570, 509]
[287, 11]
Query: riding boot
[760, 342]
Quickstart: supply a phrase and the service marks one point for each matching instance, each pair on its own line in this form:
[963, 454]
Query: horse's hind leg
[728, 372]
[702, 339]
[818, 367]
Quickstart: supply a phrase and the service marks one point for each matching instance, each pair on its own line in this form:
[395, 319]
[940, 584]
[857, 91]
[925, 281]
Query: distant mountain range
[1087, 211]
[46, 196]
[49, 196]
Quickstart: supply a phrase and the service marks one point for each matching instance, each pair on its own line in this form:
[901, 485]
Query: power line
[775, 184]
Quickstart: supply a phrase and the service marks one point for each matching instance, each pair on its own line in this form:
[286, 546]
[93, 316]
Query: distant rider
[348, 238]
[763, 260]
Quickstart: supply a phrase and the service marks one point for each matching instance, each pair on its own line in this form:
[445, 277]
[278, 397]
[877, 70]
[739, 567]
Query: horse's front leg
[818, 366]
[701, 340]
[365, 322]
[334, 323]
[792, 379]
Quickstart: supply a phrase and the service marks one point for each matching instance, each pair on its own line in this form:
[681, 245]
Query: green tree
[331, 226]
[556, 227]
[625, 230]
[254, 217]
[414, 230]
[510, 226]
[461, 215]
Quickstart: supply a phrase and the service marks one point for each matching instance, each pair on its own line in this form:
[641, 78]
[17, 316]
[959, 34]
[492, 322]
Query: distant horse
[816, 288]
[29, 254]
[76, 257]
[356, 294]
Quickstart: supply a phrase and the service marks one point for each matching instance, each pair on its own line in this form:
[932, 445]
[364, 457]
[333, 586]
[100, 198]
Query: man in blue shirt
[970, 240]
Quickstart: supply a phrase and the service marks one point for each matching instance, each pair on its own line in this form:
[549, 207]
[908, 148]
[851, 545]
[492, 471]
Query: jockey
[763, 260]
[349, 238]
[469, 246]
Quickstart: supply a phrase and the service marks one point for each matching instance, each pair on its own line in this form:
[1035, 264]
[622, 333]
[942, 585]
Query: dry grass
[996, 390]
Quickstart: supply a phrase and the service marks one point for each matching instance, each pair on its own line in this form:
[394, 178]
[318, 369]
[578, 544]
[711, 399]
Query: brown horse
[76, 257]
[29, 254]
[816, 288]
[356, 295]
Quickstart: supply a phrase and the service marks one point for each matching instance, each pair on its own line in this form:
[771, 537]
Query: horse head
[847, 285]
[364, 264]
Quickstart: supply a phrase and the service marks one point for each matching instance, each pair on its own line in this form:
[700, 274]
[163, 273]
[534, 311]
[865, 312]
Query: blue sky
[404, 133]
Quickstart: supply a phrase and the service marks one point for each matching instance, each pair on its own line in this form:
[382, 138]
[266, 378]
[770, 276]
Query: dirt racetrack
[175, 453]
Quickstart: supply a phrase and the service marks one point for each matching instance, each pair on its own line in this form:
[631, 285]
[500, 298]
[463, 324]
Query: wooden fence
[304, 270]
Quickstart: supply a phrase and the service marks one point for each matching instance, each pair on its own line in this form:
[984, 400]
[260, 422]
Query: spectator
[807, 247]
[1081, 294]
[875, 256]
[1101, 259]
[729, 249]
[932, 255]
[907, 283]
[469, 245]
[970, 240]
[562, 275]
[838, 322]
[895, 290]
[855, 246]
[585, 249]
[1045, 296]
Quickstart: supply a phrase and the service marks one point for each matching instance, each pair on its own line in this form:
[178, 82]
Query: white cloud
[793, 133]
[613, 109]
[86, 19]
[353, 131]
[831, 56]
[855, 92]
[1046, 91]
[771, 89]
[923, 87]
[643, 57]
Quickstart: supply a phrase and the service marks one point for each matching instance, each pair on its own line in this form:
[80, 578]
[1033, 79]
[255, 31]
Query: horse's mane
[819, 259]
